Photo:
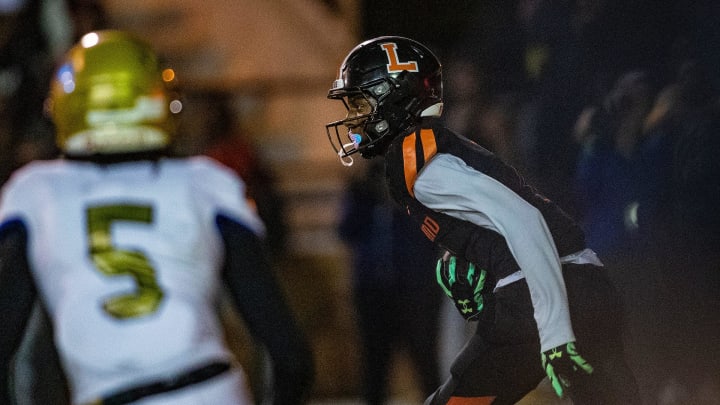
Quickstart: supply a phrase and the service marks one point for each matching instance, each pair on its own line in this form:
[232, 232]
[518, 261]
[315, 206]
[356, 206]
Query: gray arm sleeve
[446, 184]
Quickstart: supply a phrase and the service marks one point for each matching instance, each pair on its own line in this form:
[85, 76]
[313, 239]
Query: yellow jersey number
[113, 261]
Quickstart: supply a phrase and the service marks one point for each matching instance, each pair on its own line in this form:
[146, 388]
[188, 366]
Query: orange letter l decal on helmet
[394, 65]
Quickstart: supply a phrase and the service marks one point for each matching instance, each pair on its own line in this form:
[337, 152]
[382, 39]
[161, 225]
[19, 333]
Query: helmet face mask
[109, 96]
[365, 127]
[400, 78]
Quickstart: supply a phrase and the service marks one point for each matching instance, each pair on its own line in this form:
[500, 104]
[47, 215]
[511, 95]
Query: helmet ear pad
[396, 109]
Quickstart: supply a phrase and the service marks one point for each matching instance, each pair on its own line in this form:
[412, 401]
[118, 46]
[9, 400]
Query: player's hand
[562, 364]
[463, 282]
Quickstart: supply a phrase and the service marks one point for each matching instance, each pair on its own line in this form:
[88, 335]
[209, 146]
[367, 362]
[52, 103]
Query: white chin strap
[346, 160]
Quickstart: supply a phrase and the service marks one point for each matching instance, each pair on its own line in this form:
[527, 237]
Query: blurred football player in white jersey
[128, 248]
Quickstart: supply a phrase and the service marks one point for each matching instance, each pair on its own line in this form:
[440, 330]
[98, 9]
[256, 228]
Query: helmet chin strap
[346, 160]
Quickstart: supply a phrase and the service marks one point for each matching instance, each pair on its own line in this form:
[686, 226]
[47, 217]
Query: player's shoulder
[20, 191]
[34, 172]
[204, 165]
[205, 173]
[409, 153]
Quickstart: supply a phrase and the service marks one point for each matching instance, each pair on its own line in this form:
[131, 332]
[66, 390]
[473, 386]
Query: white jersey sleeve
[448, 185]
[224, 191]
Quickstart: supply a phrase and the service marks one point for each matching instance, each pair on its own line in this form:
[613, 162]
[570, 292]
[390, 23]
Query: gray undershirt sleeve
[448, 185]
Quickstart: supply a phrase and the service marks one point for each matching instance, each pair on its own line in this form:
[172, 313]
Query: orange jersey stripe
[409, 163]
[429, 146]
[470, 400]
[427, 137]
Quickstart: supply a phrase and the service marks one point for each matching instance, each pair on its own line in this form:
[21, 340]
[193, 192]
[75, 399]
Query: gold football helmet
[110, 96]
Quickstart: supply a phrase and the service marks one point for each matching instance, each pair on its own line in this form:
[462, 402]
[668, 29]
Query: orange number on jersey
[430, 228]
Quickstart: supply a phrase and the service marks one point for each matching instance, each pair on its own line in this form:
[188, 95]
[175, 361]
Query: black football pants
[502, 359]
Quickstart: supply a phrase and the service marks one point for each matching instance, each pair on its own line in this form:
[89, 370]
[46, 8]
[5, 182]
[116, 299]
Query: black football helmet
[387, 84]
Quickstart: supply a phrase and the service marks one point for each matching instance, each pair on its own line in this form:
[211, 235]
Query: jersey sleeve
[19, 195]
[224, 193]
[261, 302]
[473, 196]
[17, 294]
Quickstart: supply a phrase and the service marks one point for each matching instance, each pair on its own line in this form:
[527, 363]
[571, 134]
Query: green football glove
[463, 283]
[563, 363]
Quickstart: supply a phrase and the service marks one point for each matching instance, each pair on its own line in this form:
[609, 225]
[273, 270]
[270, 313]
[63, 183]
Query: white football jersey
[126, 258]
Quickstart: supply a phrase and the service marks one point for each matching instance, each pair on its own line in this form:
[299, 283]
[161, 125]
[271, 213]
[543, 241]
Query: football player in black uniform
[515, 262]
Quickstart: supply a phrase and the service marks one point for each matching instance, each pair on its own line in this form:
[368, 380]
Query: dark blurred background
[609, 107]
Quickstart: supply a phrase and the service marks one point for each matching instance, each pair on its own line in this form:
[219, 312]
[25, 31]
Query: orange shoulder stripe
[427, 137]
[429, 146]
[409, 162]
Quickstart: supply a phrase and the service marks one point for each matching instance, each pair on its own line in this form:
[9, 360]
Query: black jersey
[407, 157]
[469, 201]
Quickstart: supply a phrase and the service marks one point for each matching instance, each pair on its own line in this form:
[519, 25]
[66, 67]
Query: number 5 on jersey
[113, 261]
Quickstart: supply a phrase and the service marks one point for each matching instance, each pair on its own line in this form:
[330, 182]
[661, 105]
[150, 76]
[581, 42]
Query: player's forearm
[262, 304]
[484, 201]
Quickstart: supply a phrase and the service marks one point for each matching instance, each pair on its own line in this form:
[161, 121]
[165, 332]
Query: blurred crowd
[33, 35]
[612, 108]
